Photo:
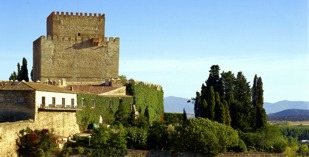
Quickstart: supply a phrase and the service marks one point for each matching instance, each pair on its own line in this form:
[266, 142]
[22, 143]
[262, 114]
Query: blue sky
[174, 42]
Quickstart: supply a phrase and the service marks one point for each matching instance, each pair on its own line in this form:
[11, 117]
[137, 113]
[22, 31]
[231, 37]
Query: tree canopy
[230, 100]
[22, 72]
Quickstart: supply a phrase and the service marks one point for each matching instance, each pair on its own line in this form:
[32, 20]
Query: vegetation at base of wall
[104, 141]
[173, 118]
[147, 97]
[35, 143]
[94, 106]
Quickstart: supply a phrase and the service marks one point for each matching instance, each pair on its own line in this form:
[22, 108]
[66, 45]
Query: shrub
[35, 143]
[204, 136]
[137, 137]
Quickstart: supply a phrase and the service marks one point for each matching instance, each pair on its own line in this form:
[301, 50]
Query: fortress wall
[63, 124]
[68, 24]
[76, 58]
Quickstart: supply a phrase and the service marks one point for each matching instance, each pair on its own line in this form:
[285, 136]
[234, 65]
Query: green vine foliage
[147, 97]
[94, 106]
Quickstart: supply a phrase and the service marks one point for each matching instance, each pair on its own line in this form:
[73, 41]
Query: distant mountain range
[285, 105]
[177, 104]
[289, 115]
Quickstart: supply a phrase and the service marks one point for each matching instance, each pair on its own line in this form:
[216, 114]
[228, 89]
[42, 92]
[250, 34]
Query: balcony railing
[59, 107]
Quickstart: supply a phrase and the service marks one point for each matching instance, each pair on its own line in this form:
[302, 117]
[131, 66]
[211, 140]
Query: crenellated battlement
[76, 38]
[78, 24]
[77, 14]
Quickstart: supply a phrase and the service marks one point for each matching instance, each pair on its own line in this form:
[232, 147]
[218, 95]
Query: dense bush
[300, 132]
[137, 137]
[204, 136]
[173, 118]
[35, 143]
[109, 137]
[267, 139]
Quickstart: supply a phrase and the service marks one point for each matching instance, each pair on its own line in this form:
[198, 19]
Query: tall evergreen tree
[185, 118]
[214, 78]
[24, 71]
[211, 103]
[219, 110]
[241, 104]
[227, 82]
[13, 76]
[197, 104]
[18, 72]
[258, 112]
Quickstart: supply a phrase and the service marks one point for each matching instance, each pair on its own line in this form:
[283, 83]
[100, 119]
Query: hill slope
[289, 115]
[177, 104]
[284, 105]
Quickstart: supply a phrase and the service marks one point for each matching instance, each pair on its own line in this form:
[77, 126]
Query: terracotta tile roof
[85, 89]
[32, 86]
[14, 86]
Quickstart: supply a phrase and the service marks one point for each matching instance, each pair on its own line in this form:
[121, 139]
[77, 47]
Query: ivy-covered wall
[147, 97]
[94, 106]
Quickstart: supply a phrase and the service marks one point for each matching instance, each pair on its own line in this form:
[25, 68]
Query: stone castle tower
[76, 50]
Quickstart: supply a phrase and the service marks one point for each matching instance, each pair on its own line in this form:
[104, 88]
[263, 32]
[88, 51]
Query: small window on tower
[78, 34]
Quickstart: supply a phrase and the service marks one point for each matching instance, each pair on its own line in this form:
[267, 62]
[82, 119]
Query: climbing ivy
[148, 96]
[94, 106]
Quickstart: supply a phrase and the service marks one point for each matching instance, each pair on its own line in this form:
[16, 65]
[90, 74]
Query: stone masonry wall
[16, 105]
[68, 24]
[75, 59]
[62, 123]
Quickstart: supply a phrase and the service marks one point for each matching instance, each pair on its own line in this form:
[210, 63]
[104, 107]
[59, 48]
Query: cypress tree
[261, 118]
[24, 71]
[18, 72]
[219, 110]
[185, 118]
[211, 103]
[197, 105]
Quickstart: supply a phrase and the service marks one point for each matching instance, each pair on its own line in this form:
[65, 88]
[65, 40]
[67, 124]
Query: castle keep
[75, 50]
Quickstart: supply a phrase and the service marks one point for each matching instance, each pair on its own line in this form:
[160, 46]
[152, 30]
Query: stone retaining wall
[62, 123]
